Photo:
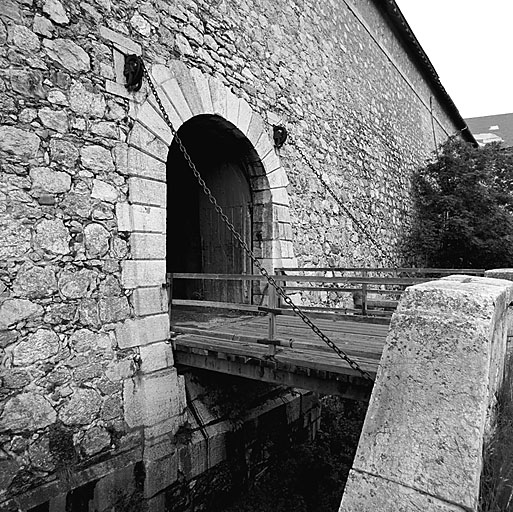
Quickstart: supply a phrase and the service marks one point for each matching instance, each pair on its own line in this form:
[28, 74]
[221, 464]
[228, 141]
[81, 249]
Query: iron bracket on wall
[279, 135]
[133, 72]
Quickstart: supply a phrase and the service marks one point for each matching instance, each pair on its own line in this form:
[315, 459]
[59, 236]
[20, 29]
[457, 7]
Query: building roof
[412, 44]
[487, 128]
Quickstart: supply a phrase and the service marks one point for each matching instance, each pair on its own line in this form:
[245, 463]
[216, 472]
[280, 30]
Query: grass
[496, 493]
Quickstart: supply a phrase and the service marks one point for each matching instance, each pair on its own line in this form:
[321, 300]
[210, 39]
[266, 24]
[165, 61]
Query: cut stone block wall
[433, 400]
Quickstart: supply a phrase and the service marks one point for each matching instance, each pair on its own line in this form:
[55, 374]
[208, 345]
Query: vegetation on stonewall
[496, 493]
[464, 208]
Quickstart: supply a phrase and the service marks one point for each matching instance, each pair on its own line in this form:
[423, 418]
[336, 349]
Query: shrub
[463, 208]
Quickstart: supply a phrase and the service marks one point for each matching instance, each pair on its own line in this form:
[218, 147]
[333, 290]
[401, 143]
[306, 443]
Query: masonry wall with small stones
[87, 376]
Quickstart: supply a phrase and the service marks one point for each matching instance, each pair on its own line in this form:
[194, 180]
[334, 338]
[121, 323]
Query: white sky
[470, 44]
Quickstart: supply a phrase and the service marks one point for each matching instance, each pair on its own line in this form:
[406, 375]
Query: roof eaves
[401, 25]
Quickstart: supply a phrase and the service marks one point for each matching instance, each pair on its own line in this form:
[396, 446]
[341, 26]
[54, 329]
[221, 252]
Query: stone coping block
[500, 273]
[431, 404]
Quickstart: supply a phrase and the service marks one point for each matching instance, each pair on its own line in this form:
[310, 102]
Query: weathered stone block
[96, 239]
[151, 118]
[444, 353]
[232, 108]
[52, 236]
[104, 191]
[176, 96]
[27, 412]
[85, 102]
[245, 114]
[54, 119]
[15, 310]
[160, 473]
[136, 332]
[56, 11]
[388, 496]
[50, 180]
[149, 301]
[143, 273]
[97, 158]
[147, 192]
[63, 152]
[151, 399]
[218, 95]
[148, 246]
[38, 346]
[85, 340]
[203, 88]
[141, 218]
[68, 54]
[156, 356]
[113, 309]
[146, 166]
[144, 140]
[24, 38]
[27, 82]
[121, 41]
[35, 282]
[96, 440]
[18, 142]
[82, 408]
[74, 285]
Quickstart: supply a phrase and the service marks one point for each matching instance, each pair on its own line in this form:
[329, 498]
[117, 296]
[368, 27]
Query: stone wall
[433, 402]
[87, 374]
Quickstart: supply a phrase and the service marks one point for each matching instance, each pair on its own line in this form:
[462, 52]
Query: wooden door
[221, 253]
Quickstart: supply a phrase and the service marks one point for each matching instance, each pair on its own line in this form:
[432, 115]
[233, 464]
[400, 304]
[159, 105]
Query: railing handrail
[399, 281]
[445, 271]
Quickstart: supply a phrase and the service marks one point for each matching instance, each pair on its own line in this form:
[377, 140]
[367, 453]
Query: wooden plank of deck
[231, 346]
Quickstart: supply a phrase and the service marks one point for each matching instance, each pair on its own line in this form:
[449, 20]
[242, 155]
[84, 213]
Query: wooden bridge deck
[229, 344]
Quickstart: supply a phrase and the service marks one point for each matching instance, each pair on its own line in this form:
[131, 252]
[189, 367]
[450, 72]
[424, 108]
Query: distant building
[488, 129]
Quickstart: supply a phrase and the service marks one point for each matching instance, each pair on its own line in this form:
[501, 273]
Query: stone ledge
[81, 477]
[121, 41]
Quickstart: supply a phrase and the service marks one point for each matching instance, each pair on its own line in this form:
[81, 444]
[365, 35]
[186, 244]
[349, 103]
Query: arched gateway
[232, 149]
[226, 161]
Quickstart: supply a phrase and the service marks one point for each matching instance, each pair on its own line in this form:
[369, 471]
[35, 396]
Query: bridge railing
[375, 291]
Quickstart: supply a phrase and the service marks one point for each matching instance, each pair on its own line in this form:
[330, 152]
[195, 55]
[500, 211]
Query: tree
[463, 208]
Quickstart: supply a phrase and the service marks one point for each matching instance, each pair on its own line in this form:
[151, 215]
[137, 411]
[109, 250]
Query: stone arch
[186, 93]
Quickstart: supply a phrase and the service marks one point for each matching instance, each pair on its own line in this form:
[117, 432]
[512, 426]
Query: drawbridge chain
[281, 292]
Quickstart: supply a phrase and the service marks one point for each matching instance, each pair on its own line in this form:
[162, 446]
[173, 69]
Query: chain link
[281, 292]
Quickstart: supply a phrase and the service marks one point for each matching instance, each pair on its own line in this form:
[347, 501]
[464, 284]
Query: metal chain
[377, 247]
[281, 292]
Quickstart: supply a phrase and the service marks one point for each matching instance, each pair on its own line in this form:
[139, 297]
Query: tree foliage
[463, 208]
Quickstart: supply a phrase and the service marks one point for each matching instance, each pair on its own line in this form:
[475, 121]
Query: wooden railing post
[273, 302]
[364, 294]
[169, 286]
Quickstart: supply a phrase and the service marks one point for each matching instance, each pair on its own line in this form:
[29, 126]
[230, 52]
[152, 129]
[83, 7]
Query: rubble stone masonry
[87, 376]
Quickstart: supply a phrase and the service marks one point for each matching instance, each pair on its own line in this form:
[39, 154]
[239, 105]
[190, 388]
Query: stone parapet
[432, 403]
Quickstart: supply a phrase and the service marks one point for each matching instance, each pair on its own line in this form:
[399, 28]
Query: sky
[470, 44]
